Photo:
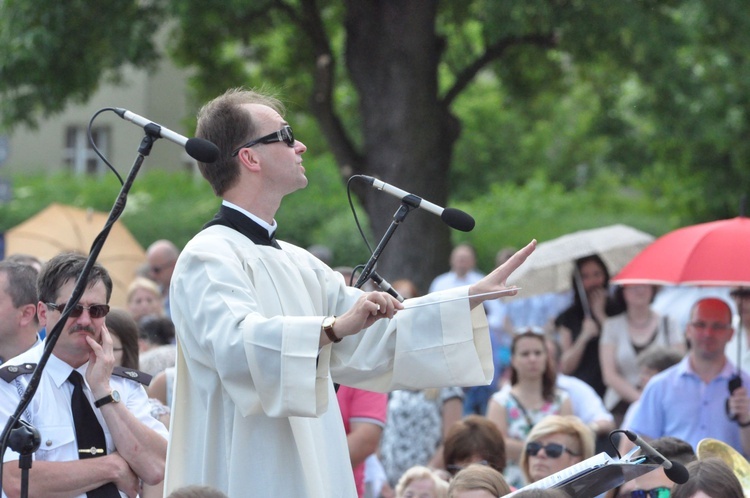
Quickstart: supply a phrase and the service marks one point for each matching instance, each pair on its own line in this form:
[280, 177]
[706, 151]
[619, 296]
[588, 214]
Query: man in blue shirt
[691, 400]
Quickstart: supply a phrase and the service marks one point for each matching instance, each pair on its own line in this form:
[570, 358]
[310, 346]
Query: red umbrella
[714, 253]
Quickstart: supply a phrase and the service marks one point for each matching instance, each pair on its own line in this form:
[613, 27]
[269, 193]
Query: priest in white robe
[254, 411]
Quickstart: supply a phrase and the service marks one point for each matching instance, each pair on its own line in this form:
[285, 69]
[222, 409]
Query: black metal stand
[24, 440]
[368, 272]
[144, 149]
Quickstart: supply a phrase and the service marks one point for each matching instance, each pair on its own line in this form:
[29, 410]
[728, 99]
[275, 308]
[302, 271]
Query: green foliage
[53, 53]
[595, 112]
[510, 215]
[175, 206]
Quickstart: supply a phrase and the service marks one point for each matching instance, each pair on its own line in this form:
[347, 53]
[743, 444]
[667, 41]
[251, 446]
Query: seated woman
[531, 396]
[554, 444]
[421, 482]
[473, 439]
[478, 481]
[625, 338]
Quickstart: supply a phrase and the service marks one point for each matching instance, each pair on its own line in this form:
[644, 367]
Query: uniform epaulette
[136, 375]
[10, 372]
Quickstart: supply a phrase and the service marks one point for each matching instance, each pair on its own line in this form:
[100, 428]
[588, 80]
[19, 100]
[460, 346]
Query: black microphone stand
[368, 272]
[152, 134]
[24, 440]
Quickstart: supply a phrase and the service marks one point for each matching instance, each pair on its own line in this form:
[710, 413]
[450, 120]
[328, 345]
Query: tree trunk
[392, 55]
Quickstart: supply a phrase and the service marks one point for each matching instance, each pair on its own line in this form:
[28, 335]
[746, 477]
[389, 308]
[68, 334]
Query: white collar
[270, 227]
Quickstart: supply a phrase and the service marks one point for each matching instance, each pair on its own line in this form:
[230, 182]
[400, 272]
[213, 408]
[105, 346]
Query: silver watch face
[115, 396]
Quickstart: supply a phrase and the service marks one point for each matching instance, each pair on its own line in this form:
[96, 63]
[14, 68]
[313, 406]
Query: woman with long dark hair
[579, 326]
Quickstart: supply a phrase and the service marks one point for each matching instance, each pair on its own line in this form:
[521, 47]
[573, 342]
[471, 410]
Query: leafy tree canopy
[441, 98]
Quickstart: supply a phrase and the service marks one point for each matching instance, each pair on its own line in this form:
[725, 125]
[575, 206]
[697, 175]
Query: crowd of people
[243, 365]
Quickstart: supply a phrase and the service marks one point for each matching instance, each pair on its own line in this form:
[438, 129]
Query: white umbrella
[550, 266]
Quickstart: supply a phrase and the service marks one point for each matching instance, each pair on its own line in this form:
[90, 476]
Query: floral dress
[520, 421]
[413, 429]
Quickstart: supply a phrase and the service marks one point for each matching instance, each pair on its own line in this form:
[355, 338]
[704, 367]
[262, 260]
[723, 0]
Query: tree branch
[492, 53]
[321, 100]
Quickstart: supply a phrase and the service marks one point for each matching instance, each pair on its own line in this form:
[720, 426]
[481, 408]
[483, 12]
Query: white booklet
[595, 475]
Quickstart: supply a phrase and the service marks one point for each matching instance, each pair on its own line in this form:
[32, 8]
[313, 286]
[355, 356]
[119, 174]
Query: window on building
[79, 155]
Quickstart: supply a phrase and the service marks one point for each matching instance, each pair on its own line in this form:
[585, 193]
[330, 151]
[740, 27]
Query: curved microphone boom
[674, 470]
[197, 148]
[454, 218]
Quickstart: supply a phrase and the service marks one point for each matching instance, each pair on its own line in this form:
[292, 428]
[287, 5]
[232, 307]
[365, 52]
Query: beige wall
[159, 96]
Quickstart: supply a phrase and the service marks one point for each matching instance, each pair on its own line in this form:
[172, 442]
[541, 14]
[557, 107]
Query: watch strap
[109, 398]
[328, 329]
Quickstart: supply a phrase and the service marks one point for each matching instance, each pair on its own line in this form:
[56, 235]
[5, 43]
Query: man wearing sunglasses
[691, 399]
[81, 398]
[260, 324]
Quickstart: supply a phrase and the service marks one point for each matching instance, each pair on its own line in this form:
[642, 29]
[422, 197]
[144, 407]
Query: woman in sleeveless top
[625, 337]
[531, 396]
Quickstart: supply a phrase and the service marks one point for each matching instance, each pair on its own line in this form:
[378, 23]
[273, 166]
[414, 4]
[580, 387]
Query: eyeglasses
[552, 450]
[157, 269]
[714, 326]
[283, 135]
[455, 469]
[95, 310]
[660, 492]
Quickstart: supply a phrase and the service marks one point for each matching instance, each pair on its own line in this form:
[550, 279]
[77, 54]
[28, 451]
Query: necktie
[89, 433]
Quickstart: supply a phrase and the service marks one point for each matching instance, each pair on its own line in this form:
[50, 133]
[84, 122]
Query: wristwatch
[113, 397]
[328, 328]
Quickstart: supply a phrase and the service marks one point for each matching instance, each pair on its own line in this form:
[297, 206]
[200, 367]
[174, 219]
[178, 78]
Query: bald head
[463, 259]
[709, 329]
[162, 256]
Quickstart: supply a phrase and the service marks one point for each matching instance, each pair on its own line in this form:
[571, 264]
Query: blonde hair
[569, 425]
[143, 283]
[480, 477]
[417, 473]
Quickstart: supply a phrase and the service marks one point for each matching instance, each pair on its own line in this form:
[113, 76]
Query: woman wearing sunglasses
[554, 444]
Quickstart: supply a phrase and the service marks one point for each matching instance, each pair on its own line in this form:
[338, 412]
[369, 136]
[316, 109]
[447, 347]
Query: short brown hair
[228, 125]
[475, 436]
[68, 266]
[713, 477]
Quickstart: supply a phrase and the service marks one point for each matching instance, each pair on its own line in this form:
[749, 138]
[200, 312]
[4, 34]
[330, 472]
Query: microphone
[385, 286]
[197, 148]
[454, 218]
[674, 470]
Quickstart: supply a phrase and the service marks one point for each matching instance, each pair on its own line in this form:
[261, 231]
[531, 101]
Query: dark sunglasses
[283, 135]
[95, 310]
[552, 450]
[660, 492]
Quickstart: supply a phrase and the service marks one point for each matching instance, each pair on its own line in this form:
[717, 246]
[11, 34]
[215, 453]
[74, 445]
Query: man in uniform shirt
[260, 325]
[18, 324]
[136, 443]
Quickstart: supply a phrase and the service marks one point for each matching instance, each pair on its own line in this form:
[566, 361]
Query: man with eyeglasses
[81, 398]
[691, 400]
[260, 324]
